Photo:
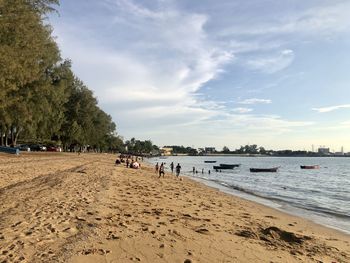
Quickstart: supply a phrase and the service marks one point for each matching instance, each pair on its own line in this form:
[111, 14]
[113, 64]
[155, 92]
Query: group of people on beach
[129, 161]
[160, 169]
[133, 162]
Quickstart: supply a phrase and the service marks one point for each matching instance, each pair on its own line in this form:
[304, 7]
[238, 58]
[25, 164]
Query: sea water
[322, 195]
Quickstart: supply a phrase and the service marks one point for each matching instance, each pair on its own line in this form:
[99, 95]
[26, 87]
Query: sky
[215, 73]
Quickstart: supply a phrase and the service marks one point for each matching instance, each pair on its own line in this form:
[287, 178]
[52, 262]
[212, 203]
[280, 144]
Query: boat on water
[225, 166]
[210, 161]
[217, 167]
[230, 166]
[309, 167]
[264, 170]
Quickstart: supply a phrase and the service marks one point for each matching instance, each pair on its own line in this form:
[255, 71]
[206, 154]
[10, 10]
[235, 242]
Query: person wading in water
[172, 167]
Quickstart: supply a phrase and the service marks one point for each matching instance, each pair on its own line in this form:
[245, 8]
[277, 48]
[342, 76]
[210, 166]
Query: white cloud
[241, 110]
[255, 101]
[165, 65]
[331, 108]
[136, 10]
[271, 123]
[240, 46]
[147, 66]
[271, 64]
[323, 19]
[345, 123]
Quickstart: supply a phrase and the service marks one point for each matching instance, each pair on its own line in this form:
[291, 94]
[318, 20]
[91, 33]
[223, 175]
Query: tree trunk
[12, 135]
[16, 136]
[6, 139]
[1, 136]
[6, 136]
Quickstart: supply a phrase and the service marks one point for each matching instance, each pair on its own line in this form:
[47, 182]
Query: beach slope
[83, 208]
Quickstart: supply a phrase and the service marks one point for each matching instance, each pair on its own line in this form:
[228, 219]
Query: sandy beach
[82, 208]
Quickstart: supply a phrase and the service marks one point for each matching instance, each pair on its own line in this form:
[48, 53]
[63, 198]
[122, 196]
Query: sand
[58, 207]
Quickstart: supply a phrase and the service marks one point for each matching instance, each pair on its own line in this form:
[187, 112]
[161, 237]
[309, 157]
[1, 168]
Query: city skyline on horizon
[312, 148]
[184, 73]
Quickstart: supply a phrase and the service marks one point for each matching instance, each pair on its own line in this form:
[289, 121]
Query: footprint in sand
[272, 217]
[90, 251]
[112, 236]
[16, 224]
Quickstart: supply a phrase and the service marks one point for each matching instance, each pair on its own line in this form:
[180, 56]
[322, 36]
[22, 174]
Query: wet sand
[58, 207]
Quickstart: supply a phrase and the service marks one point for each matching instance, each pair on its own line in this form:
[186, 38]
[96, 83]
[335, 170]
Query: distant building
[167, 151]
[323, 150]
[209, 149]
[341, 153]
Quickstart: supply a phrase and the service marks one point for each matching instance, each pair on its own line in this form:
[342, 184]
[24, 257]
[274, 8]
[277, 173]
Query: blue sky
[215, 73]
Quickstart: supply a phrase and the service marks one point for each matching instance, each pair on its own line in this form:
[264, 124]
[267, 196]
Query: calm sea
[322, 195]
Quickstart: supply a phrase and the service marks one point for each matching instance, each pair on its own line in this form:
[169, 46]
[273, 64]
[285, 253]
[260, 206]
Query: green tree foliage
[27, 56]
[84, 123]
[262, 150]
[225, 149]
[43, 6]
[248, 149]
[40, 98]
[140, 147]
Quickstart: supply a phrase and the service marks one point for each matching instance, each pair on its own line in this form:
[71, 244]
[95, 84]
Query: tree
[140, 147]
[225, 149]
[262, 150]
[40, 97]
[81, 110]
[43, 6]
[27, 55]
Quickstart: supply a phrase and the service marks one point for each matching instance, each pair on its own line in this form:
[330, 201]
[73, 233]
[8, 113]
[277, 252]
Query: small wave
[244, 190]
[324, 210]
[280, 199]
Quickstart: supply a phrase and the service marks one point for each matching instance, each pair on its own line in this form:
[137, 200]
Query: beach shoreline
[284, 207]
[291, 190]
[83, 208]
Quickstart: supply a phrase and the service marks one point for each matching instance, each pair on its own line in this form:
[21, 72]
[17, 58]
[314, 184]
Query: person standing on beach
[161, 170]
[178, 169]
[157, 167]
[172, 167]
[127, 162]
[193, 169]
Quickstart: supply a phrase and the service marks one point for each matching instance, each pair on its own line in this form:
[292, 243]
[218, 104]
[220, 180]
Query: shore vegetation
[41, 99]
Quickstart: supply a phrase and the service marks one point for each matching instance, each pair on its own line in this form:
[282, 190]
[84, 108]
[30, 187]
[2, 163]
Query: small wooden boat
[215, 167]
[231, 166]
[264, 170]
[309, 166]
[210, 161]
[226, 166]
